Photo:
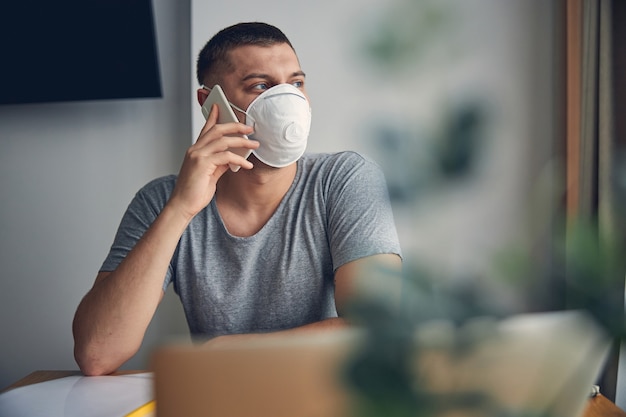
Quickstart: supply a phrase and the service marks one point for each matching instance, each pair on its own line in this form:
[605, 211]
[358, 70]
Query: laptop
[544, 364]
[279, 376]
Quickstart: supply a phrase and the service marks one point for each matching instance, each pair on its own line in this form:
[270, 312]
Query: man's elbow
[94, 370]
[92, 364]
[96, 361]
[96, 357]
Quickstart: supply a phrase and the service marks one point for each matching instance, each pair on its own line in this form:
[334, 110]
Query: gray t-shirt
[337, 210]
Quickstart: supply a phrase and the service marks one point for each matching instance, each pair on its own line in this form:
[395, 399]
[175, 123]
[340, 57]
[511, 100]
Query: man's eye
[261, 86]
[298, 84]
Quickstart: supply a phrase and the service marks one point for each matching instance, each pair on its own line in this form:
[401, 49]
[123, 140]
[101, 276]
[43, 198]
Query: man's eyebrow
[255, 75]
[267, 77]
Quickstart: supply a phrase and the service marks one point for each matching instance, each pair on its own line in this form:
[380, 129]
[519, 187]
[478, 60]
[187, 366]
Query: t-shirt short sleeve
[360, 218]
[140, 214]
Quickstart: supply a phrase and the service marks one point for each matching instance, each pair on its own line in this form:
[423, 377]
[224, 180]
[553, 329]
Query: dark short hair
[213, 58]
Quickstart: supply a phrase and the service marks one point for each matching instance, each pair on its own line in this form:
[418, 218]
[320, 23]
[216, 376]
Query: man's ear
[202, 94]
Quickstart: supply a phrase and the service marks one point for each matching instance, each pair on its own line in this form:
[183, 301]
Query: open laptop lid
[278, 377]
[543, 364]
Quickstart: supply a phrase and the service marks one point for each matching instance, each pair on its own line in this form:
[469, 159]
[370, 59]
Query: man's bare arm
[111, 320]
[379, 274]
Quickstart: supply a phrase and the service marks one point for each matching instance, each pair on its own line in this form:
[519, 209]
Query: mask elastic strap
[237, 108]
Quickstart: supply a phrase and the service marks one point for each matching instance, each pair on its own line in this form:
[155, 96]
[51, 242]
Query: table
[599, 406]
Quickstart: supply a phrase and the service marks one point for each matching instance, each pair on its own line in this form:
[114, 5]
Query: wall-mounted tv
[71, 50]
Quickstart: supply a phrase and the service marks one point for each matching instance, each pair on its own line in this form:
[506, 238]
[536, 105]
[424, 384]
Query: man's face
[257, 68]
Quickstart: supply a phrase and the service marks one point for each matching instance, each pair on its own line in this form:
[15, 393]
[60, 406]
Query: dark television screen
[69, 50]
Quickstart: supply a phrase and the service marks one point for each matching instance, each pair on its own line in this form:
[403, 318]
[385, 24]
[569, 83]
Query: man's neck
[247, 199]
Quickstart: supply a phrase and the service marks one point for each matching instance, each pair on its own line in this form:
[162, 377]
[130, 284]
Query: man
[274, 246]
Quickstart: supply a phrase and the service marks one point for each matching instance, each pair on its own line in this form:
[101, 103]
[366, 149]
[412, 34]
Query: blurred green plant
[592, 277]
[405, 33]
[382, 372]
[588, 275]
[581, 268]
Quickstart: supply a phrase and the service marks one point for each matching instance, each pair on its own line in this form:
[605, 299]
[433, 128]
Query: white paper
[79, 396]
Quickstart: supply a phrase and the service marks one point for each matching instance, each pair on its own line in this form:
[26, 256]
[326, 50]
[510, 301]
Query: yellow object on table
[145, 410]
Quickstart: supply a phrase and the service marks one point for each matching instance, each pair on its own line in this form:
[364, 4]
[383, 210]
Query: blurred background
[402, 81]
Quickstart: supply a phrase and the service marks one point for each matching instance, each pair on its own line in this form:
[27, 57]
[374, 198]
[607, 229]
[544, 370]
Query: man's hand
[206, 161]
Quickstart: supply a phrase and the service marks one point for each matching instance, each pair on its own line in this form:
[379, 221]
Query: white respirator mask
[281, 119]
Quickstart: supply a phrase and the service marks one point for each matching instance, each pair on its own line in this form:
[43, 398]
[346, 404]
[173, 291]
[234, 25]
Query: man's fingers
[211, 120]
[224, 143]
[220, 152]
[216, 131]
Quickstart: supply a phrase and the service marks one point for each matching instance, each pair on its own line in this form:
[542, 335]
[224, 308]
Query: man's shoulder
[158, 186]
[164, 181]
[335, 158]
[339, 163]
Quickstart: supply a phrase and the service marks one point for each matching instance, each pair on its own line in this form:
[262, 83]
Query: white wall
[67, 171]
